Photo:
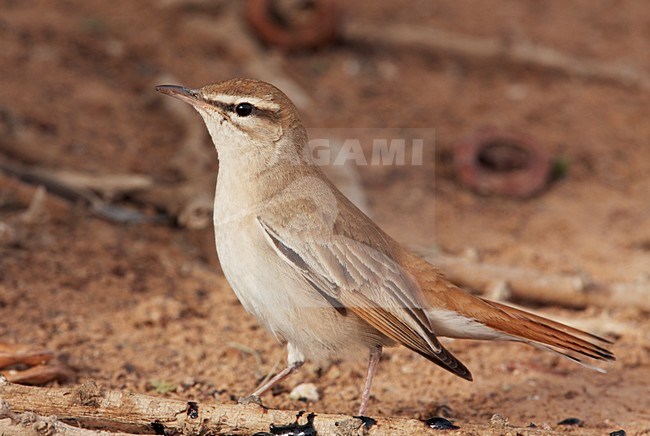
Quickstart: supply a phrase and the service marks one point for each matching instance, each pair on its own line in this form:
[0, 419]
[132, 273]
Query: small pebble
[498, 421]
[192, 409]
[618, 433]
[572, 421]
[438, 423]
[305, 392]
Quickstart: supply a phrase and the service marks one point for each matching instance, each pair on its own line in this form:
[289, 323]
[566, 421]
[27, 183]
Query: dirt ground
[144, 308]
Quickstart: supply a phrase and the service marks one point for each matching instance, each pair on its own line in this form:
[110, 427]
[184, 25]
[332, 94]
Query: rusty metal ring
[306, 24]
[493, 161]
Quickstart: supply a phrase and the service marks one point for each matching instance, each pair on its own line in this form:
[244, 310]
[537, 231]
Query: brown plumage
[425, 287]
[317, 272]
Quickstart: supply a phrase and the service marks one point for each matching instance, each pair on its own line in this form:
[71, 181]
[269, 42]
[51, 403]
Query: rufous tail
[548, 334]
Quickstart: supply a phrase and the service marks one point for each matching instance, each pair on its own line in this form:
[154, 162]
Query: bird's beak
[182, 93]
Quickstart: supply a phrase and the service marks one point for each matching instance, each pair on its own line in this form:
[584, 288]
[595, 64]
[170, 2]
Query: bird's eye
[244, 109]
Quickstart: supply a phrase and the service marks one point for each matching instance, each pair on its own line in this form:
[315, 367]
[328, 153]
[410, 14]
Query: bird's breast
[281, 299]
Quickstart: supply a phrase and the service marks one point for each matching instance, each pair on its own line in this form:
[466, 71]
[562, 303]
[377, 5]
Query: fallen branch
[31, 424]
[17, 229]
[39, 360]
[572, 291]
[15, 191]
[189, 203]
[12, 354]
[77, 187]
[77, 183]
[429, 39]
[71, 186]
[91, 406]
[522, 283]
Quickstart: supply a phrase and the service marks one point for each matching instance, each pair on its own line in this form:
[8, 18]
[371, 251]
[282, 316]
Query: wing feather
[352, 276]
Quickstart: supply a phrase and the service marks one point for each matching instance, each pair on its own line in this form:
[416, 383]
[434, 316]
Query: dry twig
[572, 291]
[14, 191]
[430, 39]
[190, 203]
[12, 354]
[76, 186]
[31, 424]
[89, 405]
[39, 359]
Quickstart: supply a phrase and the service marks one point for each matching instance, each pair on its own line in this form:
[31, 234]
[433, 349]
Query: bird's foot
[251, 399]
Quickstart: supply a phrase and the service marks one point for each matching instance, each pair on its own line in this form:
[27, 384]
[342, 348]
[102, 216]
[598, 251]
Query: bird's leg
[286, 372]
[375, 354]
[295, 361]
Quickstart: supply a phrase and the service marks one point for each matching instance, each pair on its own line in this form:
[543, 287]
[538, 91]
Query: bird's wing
[357, 276]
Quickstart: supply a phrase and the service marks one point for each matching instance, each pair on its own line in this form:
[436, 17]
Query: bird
[319, 274]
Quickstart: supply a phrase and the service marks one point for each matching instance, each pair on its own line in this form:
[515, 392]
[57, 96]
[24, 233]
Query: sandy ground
[144, 308]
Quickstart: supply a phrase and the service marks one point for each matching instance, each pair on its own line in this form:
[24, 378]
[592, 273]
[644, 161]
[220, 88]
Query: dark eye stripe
[230, 107]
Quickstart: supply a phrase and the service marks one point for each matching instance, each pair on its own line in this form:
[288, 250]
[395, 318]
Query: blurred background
[537, 190]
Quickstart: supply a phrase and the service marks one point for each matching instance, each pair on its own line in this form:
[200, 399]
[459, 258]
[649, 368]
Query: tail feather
[568, 356]
[455, 313]
[559, 326]
[546, 333]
